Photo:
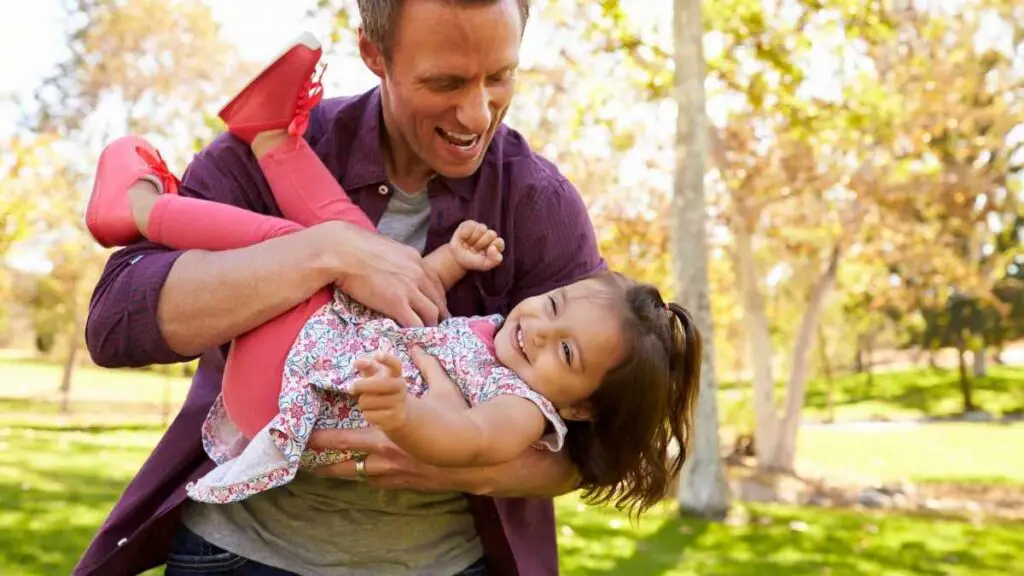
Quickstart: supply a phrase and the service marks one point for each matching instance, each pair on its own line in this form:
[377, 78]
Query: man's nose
[474, 111]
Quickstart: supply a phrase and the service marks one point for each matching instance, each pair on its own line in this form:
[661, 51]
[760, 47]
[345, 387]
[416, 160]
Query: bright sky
[258, 27]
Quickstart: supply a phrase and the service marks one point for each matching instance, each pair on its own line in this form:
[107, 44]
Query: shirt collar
[365, 164]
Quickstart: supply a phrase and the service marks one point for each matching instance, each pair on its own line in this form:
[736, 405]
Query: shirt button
[383, 189]
[122, 542]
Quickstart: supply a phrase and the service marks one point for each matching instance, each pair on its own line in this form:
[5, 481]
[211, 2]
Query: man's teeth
[460, 139]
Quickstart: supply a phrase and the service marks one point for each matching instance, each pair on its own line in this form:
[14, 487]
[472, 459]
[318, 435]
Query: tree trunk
[69, 372]
[965, 381]
[796, 390]
[826, 369]
[978, 364]
[759, 343]
[703, 490]
[869, 362]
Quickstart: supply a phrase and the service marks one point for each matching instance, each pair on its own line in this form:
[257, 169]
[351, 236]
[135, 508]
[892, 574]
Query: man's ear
[579, 412]
[371, 55]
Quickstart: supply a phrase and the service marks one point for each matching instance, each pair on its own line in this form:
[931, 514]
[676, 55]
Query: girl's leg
[255, 362]
[255, 365]
[305, 190]
[194, 224]
[126, 201]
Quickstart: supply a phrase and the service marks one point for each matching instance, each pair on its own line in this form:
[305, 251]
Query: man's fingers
[499, 244]
[407, 317]
[425, 308]
[433, 288]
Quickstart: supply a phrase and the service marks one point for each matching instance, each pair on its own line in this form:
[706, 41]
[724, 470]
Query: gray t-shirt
[323, 526]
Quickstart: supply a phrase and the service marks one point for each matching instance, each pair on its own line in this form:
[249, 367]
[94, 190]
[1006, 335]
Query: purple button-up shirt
[549, 242]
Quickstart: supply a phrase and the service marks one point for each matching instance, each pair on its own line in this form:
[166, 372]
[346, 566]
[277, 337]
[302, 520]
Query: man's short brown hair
[380, 17]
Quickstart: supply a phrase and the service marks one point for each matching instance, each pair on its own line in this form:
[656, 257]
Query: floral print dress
[317, 373]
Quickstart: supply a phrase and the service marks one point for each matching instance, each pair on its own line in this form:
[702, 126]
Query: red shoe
[108, 216]
[280, 96]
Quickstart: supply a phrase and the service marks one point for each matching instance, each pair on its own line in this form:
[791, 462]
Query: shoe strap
[159, 168]
[310, 95]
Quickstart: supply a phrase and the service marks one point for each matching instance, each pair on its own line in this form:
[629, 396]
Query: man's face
[450, 80]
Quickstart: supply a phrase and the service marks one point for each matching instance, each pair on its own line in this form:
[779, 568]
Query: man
[419, 154]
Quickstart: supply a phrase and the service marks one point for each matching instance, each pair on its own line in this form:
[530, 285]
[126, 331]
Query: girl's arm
[473, 246]
[490, 433]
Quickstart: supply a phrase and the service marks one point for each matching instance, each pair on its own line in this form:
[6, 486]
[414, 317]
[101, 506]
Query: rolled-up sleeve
[122, 328]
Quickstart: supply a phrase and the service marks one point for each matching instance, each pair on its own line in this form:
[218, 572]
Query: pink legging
[307, 194]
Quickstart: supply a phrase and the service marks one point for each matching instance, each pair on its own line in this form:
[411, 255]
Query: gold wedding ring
[361, 467]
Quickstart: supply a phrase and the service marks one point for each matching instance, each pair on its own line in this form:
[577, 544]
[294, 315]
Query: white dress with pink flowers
[317, 373]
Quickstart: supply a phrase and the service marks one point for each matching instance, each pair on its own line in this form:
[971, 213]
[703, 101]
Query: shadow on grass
[928, 392]
[46, 530]
[660, 551]
[791, 541]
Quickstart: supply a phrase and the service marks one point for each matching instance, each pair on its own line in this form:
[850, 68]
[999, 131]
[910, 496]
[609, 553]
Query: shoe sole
[306, 39]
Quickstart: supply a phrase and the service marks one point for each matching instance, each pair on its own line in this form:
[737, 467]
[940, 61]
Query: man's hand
[476, 247]
[534, 474]
[384, 275]
[381, 393]
[387, 465]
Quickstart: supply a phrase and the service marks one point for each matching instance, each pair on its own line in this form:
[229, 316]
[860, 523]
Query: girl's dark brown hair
[641, 404]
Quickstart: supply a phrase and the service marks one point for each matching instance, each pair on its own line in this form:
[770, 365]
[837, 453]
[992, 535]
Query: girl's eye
[554, 307]
[567, 352]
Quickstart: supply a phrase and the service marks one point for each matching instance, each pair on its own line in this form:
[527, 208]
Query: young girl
[602, 368]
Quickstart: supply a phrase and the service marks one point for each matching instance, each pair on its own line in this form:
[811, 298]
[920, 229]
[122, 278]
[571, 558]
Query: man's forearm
[534, 474]
[210, 298]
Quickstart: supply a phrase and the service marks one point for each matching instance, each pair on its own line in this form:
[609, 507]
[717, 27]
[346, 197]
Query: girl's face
[562, 343]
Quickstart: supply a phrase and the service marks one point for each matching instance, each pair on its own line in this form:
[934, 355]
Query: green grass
[56, 487]
[971, 453]
[37, 379]
[782, 540]
[893, 395]
[57, 484]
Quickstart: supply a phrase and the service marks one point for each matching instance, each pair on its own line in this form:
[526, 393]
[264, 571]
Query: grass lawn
[57, 484]
[894, 395]
[36, 379]
[971, 453]
[891, 395]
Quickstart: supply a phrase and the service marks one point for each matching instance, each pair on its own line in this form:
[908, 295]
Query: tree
[703, 489]
[143, 68]
[954, 191]
[796, 176]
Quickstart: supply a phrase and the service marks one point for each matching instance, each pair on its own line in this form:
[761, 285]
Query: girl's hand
[381, 392]
[474, 246]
